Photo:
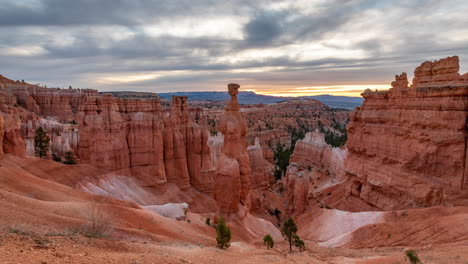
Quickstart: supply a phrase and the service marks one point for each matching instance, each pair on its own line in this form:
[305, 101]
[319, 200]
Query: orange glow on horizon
[344, 90]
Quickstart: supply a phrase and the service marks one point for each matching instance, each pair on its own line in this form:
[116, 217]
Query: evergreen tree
[41, 142]
[289, 231]
[223, 234]
[268, 241]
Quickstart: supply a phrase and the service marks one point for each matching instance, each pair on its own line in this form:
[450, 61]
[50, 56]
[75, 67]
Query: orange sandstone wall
[408, 146]
[130, 136]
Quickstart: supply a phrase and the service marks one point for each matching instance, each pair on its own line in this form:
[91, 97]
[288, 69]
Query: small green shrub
[268, 241]
[412, 256]
[223, 234]
[299, 243]
[69, 158]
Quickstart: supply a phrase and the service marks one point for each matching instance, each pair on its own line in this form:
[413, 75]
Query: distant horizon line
[249, 91]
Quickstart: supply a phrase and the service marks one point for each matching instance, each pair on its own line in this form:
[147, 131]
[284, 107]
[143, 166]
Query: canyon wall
[134, 137]
[408, 145]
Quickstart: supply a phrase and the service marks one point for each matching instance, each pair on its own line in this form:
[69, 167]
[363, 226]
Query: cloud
[263, 28]
[155, 45]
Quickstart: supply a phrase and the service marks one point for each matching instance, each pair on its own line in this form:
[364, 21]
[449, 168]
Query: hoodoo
[233, 177]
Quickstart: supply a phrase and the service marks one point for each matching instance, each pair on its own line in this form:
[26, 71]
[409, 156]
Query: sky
[275, 47]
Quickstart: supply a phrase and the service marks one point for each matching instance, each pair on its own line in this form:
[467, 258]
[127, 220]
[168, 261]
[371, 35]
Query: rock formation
[276, 123]
[233, 176]
[262, 171]
[133, 137]
[313, 162]
[407, 146]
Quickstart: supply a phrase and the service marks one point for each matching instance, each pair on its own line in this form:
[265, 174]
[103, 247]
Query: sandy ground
[17, 246]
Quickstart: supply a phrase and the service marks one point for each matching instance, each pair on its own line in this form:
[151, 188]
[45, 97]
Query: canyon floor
[59, 248]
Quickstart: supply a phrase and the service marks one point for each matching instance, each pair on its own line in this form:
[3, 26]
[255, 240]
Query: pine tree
[41, 142]
[289, 231]
[223, 234]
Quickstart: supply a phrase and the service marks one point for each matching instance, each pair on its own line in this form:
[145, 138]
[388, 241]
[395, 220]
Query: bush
[223, 234]
[56, 158]
[69, 158]
[268, 241]
[208, 221]
[412, 256]
[299, 243]
[99, 224]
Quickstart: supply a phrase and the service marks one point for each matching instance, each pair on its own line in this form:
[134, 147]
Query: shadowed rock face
[262, 171]
[234, 172]
[312, 158]
[407, 146]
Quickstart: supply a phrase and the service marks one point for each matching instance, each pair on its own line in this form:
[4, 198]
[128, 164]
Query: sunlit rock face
[233, 175]
[123, 135]
[407, 146]
[134, 137]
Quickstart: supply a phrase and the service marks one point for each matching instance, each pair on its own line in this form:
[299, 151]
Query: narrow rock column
[233, 175]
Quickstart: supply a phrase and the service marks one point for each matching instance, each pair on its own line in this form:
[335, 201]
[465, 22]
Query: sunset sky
[289, 48]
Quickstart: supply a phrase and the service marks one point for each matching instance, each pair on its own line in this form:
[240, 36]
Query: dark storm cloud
[62, 42]
[264, 28]
[107, 12]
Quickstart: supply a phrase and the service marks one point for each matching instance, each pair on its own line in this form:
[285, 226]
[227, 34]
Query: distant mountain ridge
[333, 101]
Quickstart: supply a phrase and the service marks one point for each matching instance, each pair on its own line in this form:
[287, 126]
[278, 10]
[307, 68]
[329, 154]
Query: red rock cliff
[133, 137]
[408, 146]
